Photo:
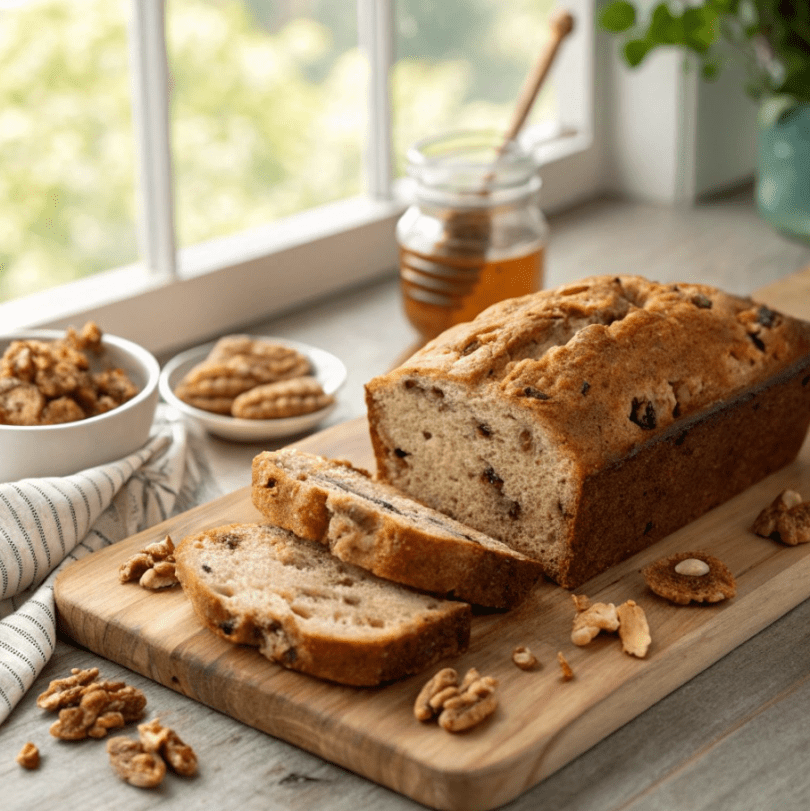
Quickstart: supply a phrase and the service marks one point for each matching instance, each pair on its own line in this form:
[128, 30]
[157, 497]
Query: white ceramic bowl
[57, 450]
[329, 370]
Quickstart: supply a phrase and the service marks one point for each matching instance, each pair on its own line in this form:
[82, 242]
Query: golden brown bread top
[609, 362]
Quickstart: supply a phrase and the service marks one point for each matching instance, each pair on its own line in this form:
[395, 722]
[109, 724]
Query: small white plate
[329, 370]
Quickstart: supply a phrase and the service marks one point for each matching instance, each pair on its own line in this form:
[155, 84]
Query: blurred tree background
[267, 113]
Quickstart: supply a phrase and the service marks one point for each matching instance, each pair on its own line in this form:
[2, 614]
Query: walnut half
[785, 519]
[431, 696]
[68, 691]
[133, 764]
[143, 762]
[167, 743]
[466, 710]
[28, 756]
[153, 566]
[458, 706]
[595, 618]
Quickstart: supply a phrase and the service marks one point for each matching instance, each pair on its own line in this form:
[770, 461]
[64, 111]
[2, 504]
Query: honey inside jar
[474, 235]
[432, 305]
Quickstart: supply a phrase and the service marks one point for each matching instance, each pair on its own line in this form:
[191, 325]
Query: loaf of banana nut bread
[372, 525]
[260, 585]
[579, 425]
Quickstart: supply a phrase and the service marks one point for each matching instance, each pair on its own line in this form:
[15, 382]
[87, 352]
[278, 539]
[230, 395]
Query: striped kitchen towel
[47, 523]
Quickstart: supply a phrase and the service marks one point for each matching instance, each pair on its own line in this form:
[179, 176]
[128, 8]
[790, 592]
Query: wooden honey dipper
[561, 24]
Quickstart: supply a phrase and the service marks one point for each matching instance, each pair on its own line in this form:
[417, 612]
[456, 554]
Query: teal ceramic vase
[783, 171]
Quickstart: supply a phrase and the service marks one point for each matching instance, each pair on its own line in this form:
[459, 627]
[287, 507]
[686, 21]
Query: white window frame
[175, 298]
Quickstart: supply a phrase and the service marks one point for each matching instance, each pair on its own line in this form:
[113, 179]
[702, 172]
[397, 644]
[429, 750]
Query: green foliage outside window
[267, 114]
[66, 201]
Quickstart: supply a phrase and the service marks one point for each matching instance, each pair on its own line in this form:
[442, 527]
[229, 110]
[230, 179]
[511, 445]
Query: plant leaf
[700, 29]
[710, 70]
[636, 49]
[665, 28]
[618, 16]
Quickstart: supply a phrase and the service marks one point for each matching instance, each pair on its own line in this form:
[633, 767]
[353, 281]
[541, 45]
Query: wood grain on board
[541, 723]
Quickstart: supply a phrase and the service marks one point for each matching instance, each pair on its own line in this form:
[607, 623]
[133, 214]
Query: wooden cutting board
[542, 722]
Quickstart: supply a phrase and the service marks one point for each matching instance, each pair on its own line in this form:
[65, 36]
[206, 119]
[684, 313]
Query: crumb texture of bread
[260, 585]
[371, 524]
[581, 424]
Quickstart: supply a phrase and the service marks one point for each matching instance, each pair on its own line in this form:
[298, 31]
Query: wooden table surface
[732, 738]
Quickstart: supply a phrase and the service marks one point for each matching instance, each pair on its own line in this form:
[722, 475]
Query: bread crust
[372, 525]
[639, 405]
[439, 629]
[706, 460]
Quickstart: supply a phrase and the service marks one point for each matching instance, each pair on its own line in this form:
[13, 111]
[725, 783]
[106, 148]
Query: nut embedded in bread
[303, 608]
[580, 425]
[372, 525]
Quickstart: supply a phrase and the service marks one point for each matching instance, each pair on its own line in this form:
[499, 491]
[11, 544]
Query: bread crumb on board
[567, 671]
[524, 658]
[634, 630]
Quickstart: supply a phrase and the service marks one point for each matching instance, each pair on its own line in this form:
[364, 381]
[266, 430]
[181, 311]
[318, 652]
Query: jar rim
[467, 160]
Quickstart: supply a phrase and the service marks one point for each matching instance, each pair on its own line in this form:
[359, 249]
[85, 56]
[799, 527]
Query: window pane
[66, 147]
[460, 64]
[267, 110]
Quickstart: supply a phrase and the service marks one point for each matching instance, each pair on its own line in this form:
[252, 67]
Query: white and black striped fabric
[47, 523]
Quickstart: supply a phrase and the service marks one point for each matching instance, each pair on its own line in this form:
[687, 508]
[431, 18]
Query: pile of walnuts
[50, 382]
[88, 707]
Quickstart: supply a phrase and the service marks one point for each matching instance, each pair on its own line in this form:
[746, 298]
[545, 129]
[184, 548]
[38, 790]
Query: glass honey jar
[474, 233]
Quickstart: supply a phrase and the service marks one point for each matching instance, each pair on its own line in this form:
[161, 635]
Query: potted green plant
[771, 38]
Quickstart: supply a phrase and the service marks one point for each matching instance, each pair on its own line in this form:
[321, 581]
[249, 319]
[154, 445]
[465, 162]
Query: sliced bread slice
[303, 608]
[373, 525]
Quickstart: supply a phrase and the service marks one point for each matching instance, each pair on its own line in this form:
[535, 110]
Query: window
[261, 141]
[67, 165]
[277, 127]
[461, 66]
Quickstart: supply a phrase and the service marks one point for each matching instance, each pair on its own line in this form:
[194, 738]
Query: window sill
[228, 282]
